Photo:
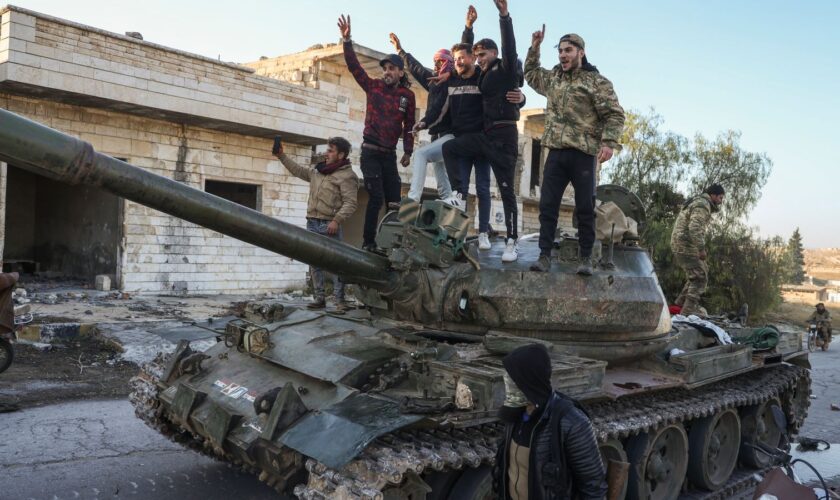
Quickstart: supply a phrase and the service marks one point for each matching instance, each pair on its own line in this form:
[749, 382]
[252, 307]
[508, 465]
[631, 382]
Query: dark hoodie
[530, 369]
[581, 473]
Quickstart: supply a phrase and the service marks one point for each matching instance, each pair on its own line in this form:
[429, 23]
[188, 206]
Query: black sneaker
[343, 306]
[585, 268]
[317, 304]
[370, 247]
[542, 265]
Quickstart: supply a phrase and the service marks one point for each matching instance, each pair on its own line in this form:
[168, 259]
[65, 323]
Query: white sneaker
[511, 252]
[483, 241]
[455, 200]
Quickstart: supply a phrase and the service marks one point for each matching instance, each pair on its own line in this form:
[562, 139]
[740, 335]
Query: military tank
[398, 398]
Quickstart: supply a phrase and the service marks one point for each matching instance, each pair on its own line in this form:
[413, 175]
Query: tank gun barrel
[50, 153]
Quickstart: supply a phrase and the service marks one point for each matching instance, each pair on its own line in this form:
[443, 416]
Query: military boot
[318, 303]
[542, 265]
[691, 306]
[585, 267]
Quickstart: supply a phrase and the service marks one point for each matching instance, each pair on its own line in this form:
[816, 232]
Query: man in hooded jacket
[549, 451]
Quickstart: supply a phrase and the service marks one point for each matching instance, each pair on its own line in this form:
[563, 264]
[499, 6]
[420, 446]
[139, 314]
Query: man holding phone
[332, 200]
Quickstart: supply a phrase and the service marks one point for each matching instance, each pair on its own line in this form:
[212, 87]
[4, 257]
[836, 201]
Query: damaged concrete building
[203, 122]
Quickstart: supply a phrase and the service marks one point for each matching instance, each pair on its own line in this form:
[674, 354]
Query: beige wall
[161, 252]
[58, 59]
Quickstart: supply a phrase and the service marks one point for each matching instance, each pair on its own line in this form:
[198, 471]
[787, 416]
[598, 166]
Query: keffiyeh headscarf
[448, 61]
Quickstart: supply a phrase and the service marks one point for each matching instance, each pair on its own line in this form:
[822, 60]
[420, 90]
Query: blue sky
[766, 68]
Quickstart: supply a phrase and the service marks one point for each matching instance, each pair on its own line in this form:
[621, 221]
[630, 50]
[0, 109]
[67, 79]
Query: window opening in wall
[247, 195]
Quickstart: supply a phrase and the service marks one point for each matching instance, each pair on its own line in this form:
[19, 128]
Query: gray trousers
[320, 226]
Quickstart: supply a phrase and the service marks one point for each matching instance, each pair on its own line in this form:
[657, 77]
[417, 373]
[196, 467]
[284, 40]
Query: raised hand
[344, 26]
[395, 41]
[502, 5]
[537, 38]
[472, 16]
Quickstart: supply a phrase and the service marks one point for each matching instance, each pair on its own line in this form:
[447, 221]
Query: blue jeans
[482, 187]
[319, 226]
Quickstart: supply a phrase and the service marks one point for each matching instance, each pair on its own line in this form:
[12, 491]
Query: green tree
[665, 169]
[742, 173]
[652, 160]
[743, 269]
[796, 258]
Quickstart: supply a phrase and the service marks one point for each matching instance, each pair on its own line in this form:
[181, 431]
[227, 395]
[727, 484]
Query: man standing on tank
[584, 122]
[688, 242]
[499, 140]
[389, 116]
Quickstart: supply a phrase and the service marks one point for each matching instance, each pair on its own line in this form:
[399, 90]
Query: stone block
[103, 282]
[30, 332]
[59, 331]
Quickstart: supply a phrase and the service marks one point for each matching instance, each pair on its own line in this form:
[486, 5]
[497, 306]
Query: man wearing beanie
[549, 451]
[688, 242]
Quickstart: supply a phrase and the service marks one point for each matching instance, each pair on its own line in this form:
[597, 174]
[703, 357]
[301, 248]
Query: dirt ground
[795, 313]
[81, 369]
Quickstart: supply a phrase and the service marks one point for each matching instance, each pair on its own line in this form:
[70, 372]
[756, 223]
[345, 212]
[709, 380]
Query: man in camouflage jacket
[822, 318]
[583, 125]
[688, 242]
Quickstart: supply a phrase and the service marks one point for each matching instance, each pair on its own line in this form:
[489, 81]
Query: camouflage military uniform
[688, 239]
[582, 112]
[582, 115]
[823, 322]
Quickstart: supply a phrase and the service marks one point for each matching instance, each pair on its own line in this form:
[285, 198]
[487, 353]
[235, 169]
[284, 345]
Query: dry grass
[796, 313]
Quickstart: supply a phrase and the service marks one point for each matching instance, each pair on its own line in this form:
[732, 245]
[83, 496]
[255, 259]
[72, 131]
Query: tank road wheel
[658, 461]
[758, 426]
[474, 484]
[613, 450]
[713, 449]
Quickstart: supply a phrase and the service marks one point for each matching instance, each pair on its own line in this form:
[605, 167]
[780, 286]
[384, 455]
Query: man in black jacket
[499, 141]
[436, 120]
[549, 451]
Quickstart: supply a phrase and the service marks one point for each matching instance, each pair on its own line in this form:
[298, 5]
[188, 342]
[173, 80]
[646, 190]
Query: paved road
[99, 449]
[822, 422]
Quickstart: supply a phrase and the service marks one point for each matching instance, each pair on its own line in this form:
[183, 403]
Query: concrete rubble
[139, 326]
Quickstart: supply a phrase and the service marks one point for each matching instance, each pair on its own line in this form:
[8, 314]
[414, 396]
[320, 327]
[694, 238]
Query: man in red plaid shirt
[389, 116]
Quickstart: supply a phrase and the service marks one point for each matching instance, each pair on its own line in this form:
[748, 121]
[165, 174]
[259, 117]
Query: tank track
[144, 397]
[392, 458]
[642, 413]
